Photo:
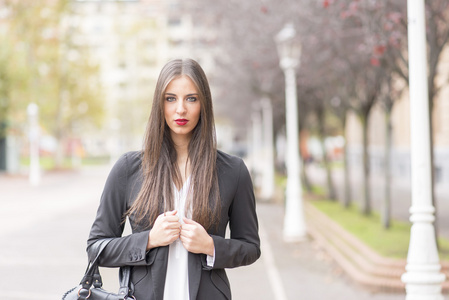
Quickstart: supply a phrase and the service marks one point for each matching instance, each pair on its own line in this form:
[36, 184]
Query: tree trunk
[366, 195]
[304, 177]
[330, 183]
[59, 132]
[432, 165]
[59, 155]
[386, 204]
[3, 153]
[347, 201]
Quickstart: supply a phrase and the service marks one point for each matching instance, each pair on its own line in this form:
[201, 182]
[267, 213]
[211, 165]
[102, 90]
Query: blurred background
[77, 80]
[91, 67]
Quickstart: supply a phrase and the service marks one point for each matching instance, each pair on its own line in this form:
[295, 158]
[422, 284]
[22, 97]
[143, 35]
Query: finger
[172, 232]
[190, 221]
[187, 227]
[184, 233]
[184, 239]
[170, 213]
[172, 225]
[173, 238]
[171, 219]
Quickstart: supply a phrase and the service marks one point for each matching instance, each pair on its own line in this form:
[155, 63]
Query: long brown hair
[159, 156]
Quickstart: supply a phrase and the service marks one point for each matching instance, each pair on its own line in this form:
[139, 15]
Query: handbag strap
[126, 288]
[92, 267]
[92, 275]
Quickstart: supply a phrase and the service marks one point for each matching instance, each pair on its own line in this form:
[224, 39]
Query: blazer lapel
[159, 271]
[194, 274]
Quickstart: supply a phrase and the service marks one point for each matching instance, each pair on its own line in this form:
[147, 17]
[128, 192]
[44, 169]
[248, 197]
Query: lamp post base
[294, 224]
[423, 285]
[294, 237]
[423, 278]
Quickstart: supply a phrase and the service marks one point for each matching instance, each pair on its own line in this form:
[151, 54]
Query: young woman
[179, 194]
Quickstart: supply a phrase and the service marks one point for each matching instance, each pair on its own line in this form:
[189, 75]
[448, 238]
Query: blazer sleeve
[243, 247]
[109, 223]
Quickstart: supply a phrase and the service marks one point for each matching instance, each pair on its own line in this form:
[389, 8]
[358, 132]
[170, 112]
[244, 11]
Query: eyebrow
[193, 94]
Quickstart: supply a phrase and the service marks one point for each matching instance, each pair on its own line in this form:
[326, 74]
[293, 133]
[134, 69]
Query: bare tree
[357, 43]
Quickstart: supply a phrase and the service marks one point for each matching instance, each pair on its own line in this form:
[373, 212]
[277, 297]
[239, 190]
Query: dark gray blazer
[149, 268]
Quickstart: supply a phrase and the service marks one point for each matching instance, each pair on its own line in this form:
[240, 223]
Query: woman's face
[182, 107]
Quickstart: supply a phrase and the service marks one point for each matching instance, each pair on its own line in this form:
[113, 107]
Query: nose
[180, 108]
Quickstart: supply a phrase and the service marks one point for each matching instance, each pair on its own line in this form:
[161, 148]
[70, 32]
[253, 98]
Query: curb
[362, 264]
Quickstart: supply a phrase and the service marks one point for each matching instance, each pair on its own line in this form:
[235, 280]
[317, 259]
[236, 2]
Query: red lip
[181, 122]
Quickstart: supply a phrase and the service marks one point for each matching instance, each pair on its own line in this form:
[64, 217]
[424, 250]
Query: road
[44, 232]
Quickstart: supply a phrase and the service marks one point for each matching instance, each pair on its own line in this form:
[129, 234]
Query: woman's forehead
[181, 83]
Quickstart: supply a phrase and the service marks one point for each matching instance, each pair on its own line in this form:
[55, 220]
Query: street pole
[34, 172]
[114, 140]
[267, 188]
[423, 278]
[257, 144]
[294, 225]
[289, 52]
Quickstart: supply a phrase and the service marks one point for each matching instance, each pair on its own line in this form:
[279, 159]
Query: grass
[337, 164]
[392, 242]
[281, 181]
[318, 190]
[48, 162]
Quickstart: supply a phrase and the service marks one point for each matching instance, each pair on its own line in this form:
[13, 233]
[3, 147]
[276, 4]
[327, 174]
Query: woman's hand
[165, 231]
[195, 238]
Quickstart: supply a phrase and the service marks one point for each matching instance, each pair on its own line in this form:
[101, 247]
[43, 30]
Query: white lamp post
[257, 144]
[423, 278]
[34, 173]
[267, 188]
[114, 140]
[289, 52]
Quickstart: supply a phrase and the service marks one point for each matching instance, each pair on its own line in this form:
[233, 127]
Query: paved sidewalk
[44, 232]
[303, 270]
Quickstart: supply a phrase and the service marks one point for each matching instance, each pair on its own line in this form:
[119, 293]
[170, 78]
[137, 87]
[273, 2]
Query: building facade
[131, 41]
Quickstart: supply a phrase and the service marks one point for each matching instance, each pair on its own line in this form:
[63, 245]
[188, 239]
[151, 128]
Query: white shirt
[177, 278]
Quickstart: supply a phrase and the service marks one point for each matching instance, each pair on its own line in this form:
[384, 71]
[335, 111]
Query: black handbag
[90, 285]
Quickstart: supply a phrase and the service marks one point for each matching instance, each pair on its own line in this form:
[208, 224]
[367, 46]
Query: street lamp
[289, 50]
[423, 277]
[257, 144]
[267, 188]
[33, 116]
